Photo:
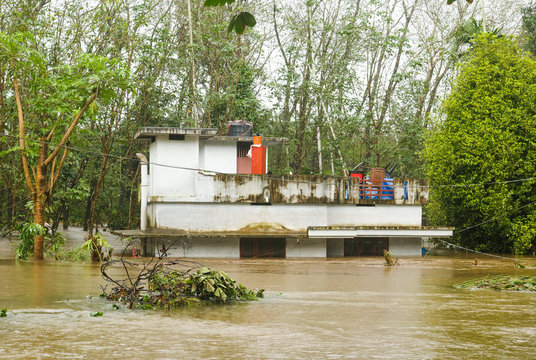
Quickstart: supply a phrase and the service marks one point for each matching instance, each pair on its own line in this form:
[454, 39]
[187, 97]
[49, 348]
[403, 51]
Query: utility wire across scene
[128, 158]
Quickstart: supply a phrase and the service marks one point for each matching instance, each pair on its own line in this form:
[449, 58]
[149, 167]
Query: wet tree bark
[88, 204]
[39, 199]
[13, 208]
[131, 197]
[95, 254]
[304, 99]
[41, 190]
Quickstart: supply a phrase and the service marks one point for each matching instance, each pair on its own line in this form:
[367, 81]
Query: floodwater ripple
[313, 309]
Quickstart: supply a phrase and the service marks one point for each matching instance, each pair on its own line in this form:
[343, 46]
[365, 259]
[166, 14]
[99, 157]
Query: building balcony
[298, 189]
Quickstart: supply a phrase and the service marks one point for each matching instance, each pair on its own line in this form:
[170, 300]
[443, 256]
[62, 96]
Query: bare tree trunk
[95, 255]
[131, 204]
[332, 163]
[107, 143]
[65, 217]
[88, 204]
[195, 114]
[319, 146]
[13, 207]
[393, 80]
[2, 106]
[304, 98]
[334, 136]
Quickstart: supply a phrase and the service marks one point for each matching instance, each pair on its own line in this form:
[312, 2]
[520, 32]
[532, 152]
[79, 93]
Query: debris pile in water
[389, 258]
[168, 284]
[501, 282]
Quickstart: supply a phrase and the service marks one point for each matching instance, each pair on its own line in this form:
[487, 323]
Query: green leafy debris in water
[96, 314]
[116, 307]
[168, 287]
[3, 313]
[501, 282]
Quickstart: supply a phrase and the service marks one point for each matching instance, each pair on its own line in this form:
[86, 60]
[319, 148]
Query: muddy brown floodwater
[314, 309]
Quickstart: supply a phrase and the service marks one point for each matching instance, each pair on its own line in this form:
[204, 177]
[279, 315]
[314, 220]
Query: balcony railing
[298, 189]
[382, 191]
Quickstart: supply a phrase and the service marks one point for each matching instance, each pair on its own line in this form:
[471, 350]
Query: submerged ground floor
[284, 247]
[316, 242]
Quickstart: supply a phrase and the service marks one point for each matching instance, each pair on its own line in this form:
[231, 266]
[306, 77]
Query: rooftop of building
[149, 133]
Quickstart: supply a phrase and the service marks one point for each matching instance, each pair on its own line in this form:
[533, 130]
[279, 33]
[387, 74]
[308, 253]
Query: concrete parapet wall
[302, 189]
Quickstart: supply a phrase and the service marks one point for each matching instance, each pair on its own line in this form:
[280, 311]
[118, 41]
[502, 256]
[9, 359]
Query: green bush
[27, 233]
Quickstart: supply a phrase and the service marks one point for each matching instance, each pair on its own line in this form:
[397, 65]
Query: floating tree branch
[167, 283]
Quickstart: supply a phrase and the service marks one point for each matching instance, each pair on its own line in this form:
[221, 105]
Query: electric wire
[295, 180]
[480, 224]
[477, 252]
[289, 178]
[302, 181]
[122, 158]
[494, 218]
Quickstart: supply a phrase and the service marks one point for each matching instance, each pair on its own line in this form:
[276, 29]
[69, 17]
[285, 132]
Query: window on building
[243, 163]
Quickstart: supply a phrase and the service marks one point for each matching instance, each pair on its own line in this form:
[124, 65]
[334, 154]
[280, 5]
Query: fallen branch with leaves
[165, 283]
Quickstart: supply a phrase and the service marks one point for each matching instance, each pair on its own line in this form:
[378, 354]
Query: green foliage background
[346, 82]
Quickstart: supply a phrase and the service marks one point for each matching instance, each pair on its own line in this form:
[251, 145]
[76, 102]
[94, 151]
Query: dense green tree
[51, 100]
[486, 145]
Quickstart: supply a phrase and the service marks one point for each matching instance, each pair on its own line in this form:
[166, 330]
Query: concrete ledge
[175, 233]
[147, 132]
[378, 231]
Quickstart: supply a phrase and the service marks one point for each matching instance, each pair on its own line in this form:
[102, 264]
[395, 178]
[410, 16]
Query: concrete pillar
[144, 190]
[335, 247]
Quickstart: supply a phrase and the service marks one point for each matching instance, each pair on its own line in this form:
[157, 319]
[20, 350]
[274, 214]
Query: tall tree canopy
[486, 149]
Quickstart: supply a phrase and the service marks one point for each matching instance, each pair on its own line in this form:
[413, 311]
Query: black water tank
[240, 128]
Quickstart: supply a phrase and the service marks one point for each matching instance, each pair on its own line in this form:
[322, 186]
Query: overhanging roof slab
[176, 233]
[343, 232]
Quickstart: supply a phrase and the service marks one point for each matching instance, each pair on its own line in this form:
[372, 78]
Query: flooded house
[207, 195]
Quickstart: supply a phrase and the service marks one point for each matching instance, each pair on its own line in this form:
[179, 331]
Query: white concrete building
[198, 194]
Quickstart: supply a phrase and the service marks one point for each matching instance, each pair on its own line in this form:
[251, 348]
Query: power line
[476, 251]
[460, 185]
[480, 224]
[309, 182]
[74, 148]
[484, 183]
[495, 218]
